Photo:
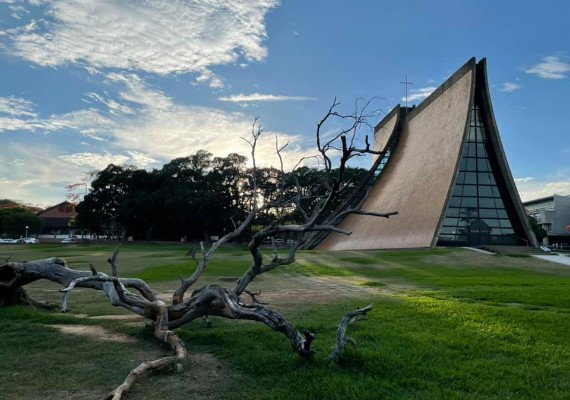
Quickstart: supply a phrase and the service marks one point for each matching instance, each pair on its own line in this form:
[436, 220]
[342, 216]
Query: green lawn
[446, 324]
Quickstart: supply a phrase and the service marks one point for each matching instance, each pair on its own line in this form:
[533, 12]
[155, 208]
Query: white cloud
[138, 92]
[17, 189]
[537, 188]
[16, 124]
[258, 97]
[510, 87]
[89, 122]
[162, 37]
[117, 41]
[207, 76]
[550, 68]
[113, 106]
[524, 180]
[140, 160]
[39, 174]
[141, 126]
[18, 107]
[99, 161]
[419, 94]
[94, 160]
[165, 130]
[22, 117]
[43, 177]
[182, 130]
[18, 11]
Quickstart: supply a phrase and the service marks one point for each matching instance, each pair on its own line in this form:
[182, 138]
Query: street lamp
[27, 230]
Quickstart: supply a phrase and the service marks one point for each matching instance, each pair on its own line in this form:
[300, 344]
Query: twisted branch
[341, 338]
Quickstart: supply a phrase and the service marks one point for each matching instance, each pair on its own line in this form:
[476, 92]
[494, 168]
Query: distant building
[57, 218]
[553, 215]
[444, 171]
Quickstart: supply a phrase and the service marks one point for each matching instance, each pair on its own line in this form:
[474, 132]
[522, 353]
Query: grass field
[446, 324]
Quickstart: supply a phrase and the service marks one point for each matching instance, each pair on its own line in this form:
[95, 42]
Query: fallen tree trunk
[209, 300]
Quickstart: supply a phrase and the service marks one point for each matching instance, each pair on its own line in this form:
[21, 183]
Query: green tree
[194, 197]
[13, 222]
[539, 232]
[142, 209]
[199, 196]
[99, 210]
[7, 203]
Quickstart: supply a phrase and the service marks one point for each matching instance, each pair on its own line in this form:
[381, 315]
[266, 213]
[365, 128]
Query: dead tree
[214, 300]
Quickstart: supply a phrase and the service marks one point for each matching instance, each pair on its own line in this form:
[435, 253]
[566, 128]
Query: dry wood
[341, 338]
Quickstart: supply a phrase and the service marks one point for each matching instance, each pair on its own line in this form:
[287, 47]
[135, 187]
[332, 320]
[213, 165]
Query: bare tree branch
[113, 261]
[344, 213]
[254, 295]
[164, 334]
[341, 338]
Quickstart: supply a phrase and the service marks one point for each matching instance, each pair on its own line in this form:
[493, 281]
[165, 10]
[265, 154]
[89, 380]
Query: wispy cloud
[44, 177]
[16, 124]
[419, 94]
[99, 161]
[88, 122]
[18, 107]
[169, 130]
[124, 46]
[136, 91]
[153, 36]
[258, 97]
[536, 188]
[18, 11]
[510, 87]
[550, 68]
[524, 180]
[114, 107]
[141, 125]
[20, 115]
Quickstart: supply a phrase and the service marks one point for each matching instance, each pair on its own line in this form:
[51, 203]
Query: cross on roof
[407, 83]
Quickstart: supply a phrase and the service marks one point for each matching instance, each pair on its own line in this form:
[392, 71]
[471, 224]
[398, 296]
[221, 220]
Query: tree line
[198, 196]
[16, 216]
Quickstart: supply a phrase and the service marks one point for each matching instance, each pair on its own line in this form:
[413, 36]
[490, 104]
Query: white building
[553, 215]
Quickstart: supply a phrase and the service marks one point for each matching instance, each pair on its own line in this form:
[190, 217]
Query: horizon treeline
[196, 197]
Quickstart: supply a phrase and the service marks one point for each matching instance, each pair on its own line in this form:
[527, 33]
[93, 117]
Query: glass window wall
[476, 213]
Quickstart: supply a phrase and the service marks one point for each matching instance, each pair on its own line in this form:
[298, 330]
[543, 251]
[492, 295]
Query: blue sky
[86, 83]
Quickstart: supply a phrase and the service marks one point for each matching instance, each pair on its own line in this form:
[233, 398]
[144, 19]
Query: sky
[141, 82]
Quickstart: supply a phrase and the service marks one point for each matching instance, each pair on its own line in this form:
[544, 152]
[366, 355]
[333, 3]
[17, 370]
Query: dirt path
[94, 332]
[299, 289]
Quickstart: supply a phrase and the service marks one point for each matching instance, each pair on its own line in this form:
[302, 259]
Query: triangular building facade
[444, 171]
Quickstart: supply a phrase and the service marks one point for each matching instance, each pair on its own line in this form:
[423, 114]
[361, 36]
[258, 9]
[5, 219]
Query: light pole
[27, 230]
